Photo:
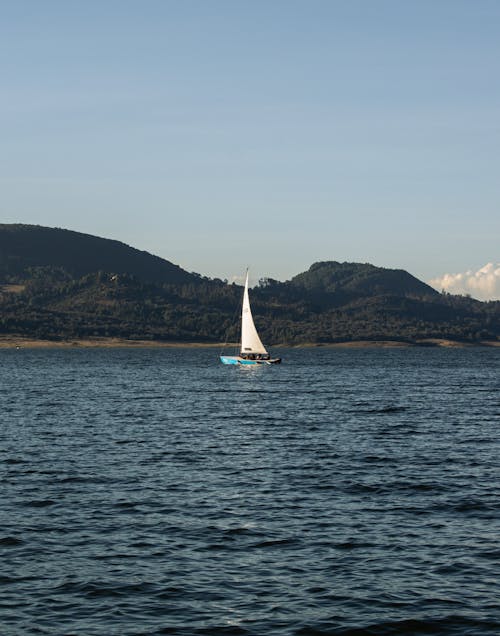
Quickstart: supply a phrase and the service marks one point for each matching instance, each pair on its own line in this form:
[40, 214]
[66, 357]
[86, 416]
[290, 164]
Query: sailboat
[252, 351]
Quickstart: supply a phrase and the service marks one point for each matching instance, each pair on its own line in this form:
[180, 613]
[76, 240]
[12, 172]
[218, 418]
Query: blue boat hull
[246, 362]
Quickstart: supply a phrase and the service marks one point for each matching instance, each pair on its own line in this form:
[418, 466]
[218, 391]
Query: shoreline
[9, 342]
[18, 342]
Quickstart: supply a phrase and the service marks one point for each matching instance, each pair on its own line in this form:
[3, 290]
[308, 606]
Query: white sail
[250, 341]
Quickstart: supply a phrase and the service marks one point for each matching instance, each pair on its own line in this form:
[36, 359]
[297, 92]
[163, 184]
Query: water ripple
[151, 492]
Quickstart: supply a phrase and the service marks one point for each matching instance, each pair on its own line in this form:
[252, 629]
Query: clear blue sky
[220, 134]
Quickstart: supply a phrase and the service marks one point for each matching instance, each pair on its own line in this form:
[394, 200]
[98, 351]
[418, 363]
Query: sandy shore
[15, 342]
[429, 342]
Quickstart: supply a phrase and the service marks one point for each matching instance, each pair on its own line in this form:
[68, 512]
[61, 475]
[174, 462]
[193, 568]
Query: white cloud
[483, 284]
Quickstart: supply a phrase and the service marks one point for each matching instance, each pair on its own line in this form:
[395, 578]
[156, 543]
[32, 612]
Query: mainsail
[250, 341]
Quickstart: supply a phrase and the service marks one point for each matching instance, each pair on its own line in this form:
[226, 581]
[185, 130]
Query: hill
[355, 279]
[58, 284]
[23, 247]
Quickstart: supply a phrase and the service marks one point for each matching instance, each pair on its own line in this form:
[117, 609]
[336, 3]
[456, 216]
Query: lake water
[156, 491]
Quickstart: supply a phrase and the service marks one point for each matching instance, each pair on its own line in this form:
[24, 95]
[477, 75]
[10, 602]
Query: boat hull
[246, 362]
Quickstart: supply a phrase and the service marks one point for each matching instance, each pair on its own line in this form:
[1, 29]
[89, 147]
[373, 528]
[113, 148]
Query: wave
[39, 503]
[452, 625]
[105, 588]
[10, 541]
[367, 409]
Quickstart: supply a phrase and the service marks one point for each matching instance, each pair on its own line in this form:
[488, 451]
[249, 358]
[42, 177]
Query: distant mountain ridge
[25, 246]
[60, 284]
[360, 278]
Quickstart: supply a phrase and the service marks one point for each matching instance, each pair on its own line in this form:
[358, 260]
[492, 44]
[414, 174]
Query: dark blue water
[159, 492]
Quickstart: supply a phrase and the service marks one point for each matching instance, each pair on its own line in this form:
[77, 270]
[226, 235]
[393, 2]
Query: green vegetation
[57, 284]
[26, 246]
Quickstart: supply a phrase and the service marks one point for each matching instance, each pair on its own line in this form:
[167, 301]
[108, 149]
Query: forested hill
[58, 284]
[23, 247]
[331, 277]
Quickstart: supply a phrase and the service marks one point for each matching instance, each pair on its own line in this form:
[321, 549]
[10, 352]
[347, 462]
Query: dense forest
[57, 284]
[25, 246]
